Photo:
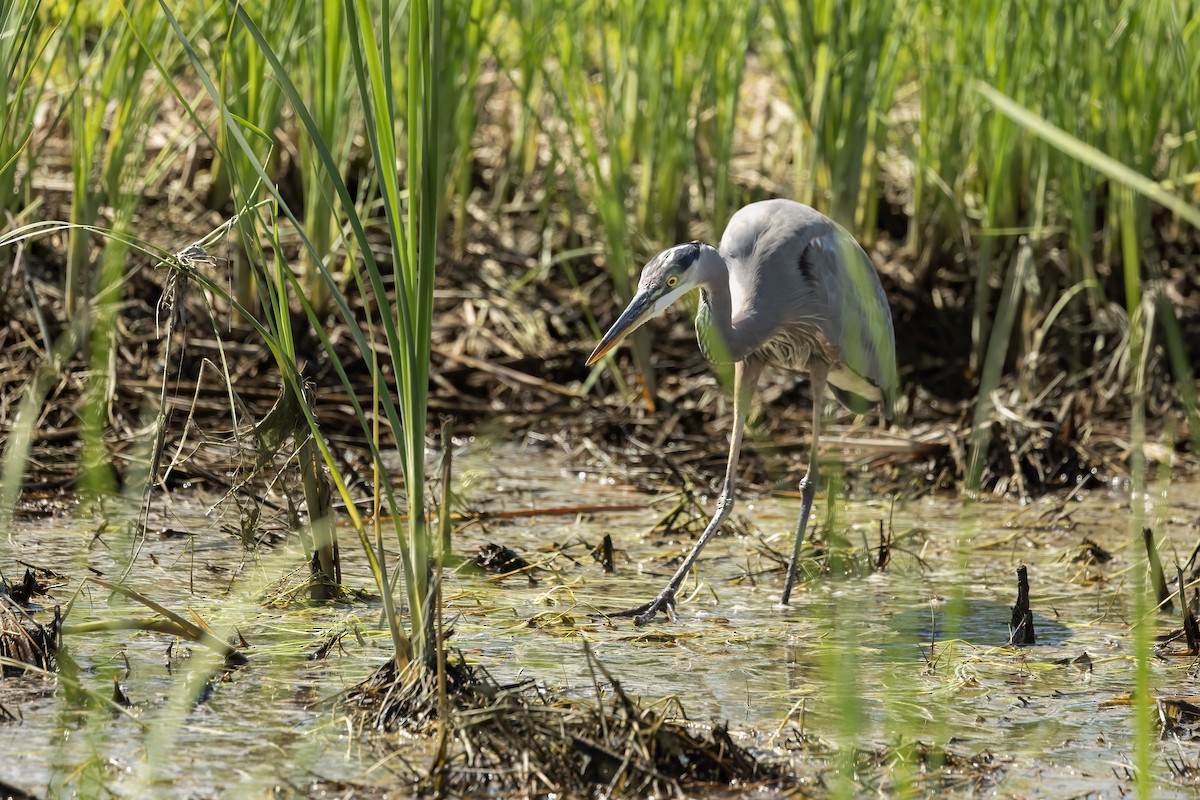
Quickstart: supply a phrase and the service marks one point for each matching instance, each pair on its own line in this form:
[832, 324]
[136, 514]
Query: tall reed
[1107, 83]
[323, 72]
[24, 40]
[839, 60]
[411, 126]
[255, 102]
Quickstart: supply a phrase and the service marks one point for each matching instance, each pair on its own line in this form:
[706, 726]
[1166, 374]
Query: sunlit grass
[255, 103]
[23, 44]
[840, 64]
[411, 217]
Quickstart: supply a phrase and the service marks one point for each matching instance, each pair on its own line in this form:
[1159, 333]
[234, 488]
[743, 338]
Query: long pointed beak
[639, 310]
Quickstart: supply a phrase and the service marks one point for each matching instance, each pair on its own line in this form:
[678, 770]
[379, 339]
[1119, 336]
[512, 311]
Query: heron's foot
[665, 603]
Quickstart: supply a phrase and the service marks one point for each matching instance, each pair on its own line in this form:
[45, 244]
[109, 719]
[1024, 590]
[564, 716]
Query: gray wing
[849, 289]
[799, 279]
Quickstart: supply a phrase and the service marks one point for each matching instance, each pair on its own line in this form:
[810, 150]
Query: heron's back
[801, 287]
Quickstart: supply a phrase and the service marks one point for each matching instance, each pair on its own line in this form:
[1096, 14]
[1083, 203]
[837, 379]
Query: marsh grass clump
[24, 640]
[522, 738]
[613, 747]
[34, 582]
[941, 770]
[1179, 718]
[414, 699]
[502, 560]
[904, 768]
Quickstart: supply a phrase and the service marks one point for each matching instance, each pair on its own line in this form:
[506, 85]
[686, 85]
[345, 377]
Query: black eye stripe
[688, 253]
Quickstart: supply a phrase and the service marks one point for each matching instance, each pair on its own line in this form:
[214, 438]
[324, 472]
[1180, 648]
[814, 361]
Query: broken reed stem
[604, 554]
[1191, 631]
[444, 519]
[1161, 592]
[1021, 625]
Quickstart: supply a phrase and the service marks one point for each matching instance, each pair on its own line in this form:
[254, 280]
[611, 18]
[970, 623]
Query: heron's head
[669, 276]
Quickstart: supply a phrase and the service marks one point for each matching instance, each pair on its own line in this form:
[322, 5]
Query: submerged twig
[170, 623]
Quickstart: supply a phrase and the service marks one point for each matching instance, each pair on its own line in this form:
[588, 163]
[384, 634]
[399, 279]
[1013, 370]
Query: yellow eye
[671, 281]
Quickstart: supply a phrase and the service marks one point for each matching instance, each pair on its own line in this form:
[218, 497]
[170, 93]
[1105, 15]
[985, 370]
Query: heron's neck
[715, 315]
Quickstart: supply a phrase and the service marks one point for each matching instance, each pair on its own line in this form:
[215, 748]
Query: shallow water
[849, 661]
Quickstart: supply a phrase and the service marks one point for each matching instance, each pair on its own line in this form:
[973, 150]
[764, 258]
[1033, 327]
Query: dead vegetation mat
[1056, 427]
[24, 641]
[525, 740]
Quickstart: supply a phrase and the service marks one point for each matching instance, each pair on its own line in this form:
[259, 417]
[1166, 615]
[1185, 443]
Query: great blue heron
[787, 287]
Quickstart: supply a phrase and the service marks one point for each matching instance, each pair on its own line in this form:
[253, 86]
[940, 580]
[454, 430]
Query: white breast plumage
[738, 290]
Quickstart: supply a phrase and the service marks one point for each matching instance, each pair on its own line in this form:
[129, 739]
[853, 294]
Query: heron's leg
[808, 486]
[745, 376]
